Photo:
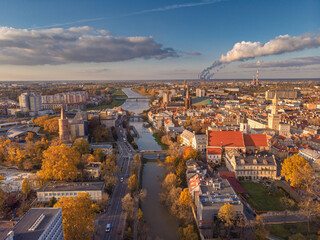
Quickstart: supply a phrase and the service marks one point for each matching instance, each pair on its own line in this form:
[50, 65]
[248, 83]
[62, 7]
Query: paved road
[114, 214]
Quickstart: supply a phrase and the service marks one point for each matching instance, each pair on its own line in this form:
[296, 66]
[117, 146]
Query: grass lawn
[260, 198]
[284, 231]
[116, 93]
[158, 140]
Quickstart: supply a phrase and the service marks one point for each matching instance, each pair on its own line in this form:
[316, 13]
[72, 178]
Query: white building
[39, 223]
[200, 92]
[67, 189]
[312, 156]
[30, 102]
[199, 142]
[187, 138]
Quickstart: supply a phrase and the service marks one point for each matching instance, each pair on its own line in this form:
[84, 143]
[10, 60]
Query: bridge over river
[147, 152]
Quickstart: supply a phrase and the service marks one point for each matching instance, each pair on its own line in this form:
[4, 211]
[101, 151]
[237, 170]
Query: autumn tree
[188, 233]
[78, 215]
[99, 155]
[189, 153]
[292, 168]
[128, 204]
[16, 155]
[26, 186]
[185, 197]
[260, 232]
[181, 174]
[287, 204]
[227, 214]
[52, 125]
[133, 183]
[30, 137]
[108, 170]
[81, 145]
[59, 163]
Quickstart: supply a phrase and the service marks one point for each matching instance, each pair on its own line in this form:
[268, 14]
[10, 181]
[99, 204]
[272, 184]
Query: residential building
[287, 94]
[187, 138]
[214, 155]
[30, 102]
[199, 142]
[74, 100]
[70, 189]
[108, 118]
[251, 166]
[312, 156]
[39, 223]
[211, 197]
[200, 92]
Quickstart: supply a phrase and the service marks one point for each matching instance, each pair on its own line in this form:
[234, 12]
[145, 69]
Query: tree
[78, 215]
[287, 204]
[185, 197]
[30, 137]
[188, 233]
[59, 163]
[133, 183]
[52, 201]
[260, 232]
[103, 203]
[128, 204]
[108, 170]
[140, 214]
[52, 125]
[227, 214]
[181, 174]
[81, 145]
[189, 153]
[99, 155]
[26, 187]
[292, 168]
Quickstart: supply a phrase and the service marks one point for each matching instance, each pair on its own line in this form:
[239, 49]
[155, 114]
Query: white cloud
[74, 45]
[248, 50]
[281, 44]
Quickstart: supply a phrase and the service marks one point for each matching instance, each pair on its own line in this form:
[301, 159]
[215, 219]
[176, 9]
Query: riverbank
[116, 93]
[157, 138]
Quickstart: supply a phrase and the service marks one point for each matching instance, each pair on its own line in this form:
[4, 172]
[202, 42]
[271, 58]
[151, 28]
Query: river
[160, 223]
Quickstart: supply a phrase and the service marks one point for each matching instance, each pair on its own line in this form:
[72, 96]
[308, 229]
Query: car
[121, 179]
[108, 227]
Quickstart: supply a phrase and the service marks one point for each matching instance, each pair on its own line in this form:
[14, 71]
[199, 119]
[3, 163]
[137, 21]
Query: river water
[160, 223]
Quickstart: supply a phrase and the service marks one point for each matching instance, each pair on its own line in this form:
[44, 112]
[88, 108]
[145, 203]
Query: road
[114, 214]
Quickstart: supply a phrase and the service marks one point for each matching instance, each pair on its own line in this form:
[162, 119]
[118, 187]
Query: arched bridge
[158, 152]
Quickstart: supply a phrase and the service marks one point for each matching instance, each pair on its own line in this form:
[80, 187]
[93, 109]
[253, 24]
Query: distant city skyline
[109, 40]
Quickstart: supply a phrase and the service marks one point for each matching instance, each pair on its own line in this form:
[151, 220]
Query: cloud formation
[247, 50]
[294, 62]
[74, 45]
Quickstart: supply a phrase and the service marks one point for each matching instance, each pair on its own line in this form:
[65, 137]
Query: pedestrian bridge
[147, 152]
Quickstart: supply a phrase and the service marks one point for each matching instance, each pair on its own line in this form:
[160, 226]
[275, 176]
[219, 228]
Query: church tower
[274, 117]
[244, 125]
[63, 127]
[188, 100]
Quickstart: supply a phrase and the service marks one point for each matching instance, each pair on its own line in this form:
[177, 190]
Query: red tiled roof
[256, 140]
[236, 186]
[226, 138]
[214, 151]
[225, 175]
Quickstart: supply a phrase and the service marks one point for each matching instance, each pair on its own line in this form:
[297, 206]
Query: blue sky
[178, 39]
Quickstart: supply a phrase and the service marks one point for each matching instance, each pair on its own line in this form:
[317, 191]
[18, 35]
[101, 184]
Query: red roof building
[229, 139]
[255, 140]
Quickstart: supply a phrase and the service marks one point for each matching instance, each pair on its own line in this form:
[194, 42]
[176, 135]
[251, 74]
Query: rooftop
[71, 186]
[256, 140]
[34, 222]
[225, 138]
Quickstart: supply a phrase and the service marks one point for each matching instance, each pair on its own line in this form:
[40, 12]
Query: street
[114, 215]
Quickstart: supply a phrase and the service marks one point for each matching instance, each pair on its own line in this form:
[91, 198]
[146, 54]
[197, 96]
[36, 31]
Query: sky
[167, 39]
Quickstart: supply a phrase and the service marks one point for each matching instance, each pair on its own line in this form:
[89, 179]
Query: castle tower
[188, 100]
[274, 117]
[244, 125]
[63, 127]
